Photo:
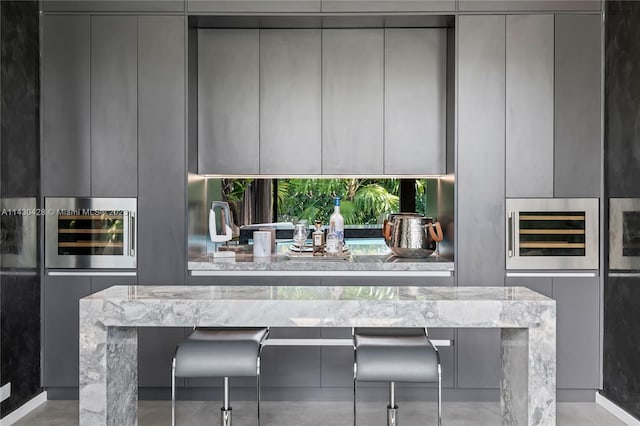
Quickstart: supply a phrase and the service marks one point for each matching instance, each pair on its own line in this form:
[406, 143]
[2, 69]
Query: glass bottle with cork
[318, 239]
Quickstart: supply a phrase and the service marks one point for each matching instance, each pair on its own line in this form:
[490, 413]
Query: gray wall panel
[228, 101]
[528, 5]
[161, 160]
[480, 184]
[529, 106]
[578, 128]
[66, 148]
[352, 101]
[255, 6]
[113, 6]
[290, 101]
[388, 5]
[415, 82]
[114, 106]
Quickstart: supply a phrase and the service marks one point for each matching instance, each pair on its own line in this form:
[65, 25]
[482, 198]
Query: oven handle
[132, 234]
[511, 235]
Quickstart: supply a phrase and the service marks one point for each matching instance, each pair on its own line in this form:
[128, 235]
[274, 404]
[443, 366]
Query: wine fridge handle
[511, 235]
[132, 235]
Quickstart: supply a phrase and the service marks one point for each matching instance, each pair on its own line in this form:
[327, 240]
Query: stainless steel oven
[552, 233]
[90, 233]
[624, 233]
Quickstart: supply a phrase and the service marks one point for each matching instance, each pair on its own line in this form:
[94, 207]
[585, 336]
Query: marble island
[109, 320]
[365, 257]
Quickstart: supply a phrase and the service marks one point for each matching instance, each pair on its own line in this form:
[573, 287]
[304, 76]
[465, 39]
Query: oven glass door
[90, 233]
[624, 233]
[552, 233]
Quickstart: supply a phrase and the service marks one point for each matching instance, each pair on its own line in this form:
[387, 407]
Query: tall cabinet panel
[352, 101]
[290, 101]
[162, 178]
[228, 101]
[480, 184]
[415, 81]
[66, 105]
[529, 105]
[578, 128]
[114, 106]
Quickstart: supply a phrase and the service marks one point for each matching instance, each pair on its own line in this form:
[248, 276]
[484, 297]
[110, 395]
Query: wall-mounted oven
[552, 233]
[90, 233]
[624, 234]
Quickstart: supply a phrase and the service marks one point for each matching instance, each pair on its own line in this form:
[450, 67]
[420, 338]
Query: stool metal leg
[173, 392]
[258, 388]
[355, 393]
[225, 411]
[392, 408]
[439, 396]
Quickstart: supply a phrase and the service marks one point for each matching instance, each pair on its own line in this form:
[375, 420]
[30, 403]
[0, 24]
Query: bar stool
[395, 355]
[219, 352]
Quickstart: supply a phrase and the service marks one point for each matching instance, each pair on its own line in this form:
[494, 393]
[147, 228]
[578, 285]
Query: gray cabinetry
[480, 184]
[352, 107]
[578, 326]
[528, 5]
[114, 106]
[161, 139]
[388, 5]
[290, 101]
[61, 330]
[255, 6]
[415, 81]
[578, 125]
[66, 106]
[162, 173]
[529, 105]
[228, 105]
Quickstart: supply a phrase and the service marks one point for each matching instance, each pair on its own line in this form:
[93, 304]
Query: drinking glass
[300, 233]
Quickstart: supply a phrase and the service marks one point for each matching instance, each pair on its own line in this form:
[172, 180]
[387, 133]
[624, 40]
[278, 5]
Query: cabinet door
[415, 81]
[255, 6]
[388, 5]
[529, 106]
[61, 330]
[114, 106]
[578, 331]
[161, 139]
[480, 185]
[228, 107]
[578, 107]
[66, 136]
[528, 5]
[352, 101]
[290, 101]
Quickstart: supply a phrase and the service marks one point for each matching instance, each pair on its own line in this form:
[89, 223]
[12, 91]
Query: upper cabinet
[254, 6]
[388, 5]
[352, 101]
[529, 5]
[228, 106]
[314, 101]
[113, 6]
[529, 105]
[290, 101]
[415, 81]
[89, 106]
[578, 106]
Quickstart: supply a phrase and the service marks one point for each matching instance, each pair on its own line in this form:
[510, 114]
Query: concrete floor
[65, 413]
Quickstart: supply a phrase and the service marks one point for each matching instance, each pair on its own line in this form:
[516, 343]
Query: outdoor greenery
[362, 201]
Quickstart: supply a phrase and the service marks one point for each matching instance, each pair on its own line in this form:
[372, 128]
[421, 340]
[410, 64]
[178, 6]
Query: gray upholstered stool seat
[395, 355]
[219, 352]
